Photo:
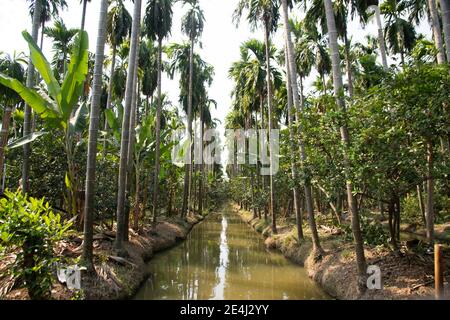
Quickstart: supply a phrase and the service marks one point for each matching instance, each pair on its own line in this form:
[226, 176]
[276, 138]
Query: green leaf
[112, 120]
[78, 122]
[25, 140]
[68, 182]
[30, 96]
[5, 236]
[73, 84]
[42, 65]
[113, 123]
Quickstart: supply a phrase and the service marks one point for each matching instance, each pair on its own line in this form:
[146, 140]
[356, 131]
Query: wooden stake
[438, 272]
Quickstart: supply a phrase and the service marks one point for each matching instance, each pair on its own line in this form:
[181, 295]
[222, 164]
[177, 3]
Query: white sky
[221, 40]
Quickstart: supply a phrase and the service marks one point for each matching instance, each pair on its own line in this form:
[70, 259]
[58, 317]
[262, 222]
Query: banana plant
[58, 105]
[144, 147]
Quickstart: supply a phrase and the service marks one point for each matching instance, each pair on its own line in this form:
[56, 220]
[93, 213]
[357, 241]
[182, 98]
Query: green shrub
[372, 231]
[411, 209]
[29, 228]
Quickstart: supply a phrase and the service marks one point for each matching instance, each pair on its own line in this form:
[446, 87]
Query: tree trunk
[93, 133]
[349, 66]
[144, 196]
[436, 28]
[169, 202]
[292, 70]
[123, 167]
[42, 35]
[263, 178]
[4, 140]
[298, 215]
[421, 204]
[83, 16]
[270, 125]
[136, 209]
[158, 136]
[27, 111]
[258, 172]
[109, 99]
[430, 194]
[202, 166]
[381, 41]
[187, 167]
[132, 136]
[337, 81]
[394, 222]
[445, 8]
[92, 144]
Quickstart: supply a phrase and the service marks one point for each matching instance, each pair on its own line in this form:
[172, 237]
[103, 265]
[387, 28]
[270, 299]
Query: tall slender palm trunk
[381, 41]
[270, 125]
[137, 196]
[27, 111]
[123, 167]
[158, 137]
[202, 166]
[188, 167]
[42, 35]
[445, 7]
[349, 66]
[83, 15]
[263, 125]
[436, 28]
[131, 141]
[93, 135]
[109, 99]
[298, 214]
[338, 92]
[437, 35]
[293, 73]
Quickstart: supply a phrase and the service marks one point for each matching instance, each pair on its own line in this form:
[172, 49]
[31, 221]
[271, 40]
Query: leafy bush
[372, 231]
[411, 210]
[29, 228]
[442, 208]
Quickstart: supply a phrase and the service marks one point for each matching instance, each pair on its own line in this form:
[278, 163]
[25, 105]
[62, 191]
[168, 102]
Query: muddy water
[224, 259]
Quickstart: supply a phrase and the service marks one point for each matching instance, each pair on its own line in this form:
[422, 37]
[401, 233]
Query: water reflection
[219, 289]
[224, 259]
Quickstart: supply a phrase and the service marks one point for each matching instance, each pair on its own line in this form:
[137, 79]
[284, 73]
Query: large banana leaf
[78, 122]
[113, 123]
[43, 107]
[73, 84]
[42, 65]
[25, 140]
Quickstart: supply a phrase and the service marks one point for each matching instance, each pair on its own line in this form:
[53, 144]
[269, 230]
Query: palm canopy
[193, 21]
[148, 61]
[118, 24]
[62, 43]
[12, 66]
[259, 11]
[400, 33]
[50, 8]
[202, 76]
[316, 13]
[158, 19]
[249, 75]
[310, 49]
